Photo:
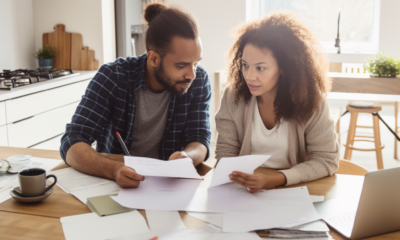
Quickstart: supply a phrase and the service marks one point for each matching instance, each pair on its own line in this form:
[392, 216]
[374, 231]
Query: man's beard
[165, 81]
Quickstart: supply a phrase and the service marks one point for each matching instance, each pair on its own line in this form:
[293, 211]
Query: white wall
[389, 32]
[17, 42]
[84, 17]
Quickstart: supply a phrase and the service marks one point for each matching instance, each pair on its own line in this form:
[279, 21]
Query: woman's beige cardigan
[313, 149]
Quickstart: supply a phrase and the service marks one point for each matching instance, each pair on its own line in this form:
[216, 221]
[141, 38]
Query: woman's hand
[257, 181]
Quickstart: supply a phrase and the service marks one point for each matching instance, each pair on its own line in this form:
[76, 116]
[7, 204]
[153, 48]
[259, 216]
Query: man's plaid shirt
[108, 106]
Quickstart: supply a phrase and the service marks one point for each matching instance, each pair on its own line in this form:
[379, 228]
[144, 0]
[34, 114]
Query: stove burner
[21, 77]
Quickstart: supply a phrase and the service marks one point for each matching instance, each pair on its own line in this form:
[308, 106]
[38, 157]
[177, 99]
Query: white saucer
[14, 193]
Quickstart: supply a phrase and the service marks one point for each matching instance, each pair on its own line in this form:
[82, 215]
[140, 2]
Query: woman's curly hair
[303, 82]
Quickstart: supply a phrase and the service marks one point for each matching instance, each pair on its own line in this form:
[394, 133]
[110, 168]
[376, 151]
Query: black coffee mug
[33, 182]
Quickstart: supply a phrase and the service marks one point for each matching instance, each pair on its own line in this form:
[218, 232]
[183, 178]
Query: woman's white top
[272, 142]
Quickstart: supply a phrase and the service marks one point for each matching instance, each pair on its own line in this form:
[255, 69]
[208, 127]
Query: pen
[154, 238]
[122, 144]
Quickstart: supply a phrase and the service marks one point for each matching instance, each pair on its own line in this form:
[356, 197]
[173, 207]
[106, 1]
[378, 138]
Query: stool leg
[350, 135]
[377, 140]
[396, 109]
[338, 130]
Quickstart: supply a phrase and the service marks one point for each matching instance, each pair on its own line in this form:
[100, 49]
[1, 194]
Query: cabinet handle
[22, 120]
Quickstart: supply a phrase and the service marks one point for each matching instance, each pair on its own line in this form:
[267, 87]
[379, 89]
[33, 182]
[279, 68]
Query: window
[359, 22]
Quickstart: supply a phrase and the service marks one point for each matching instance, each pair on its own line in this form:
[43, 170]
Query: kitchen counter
[45, 85]
[364, 83]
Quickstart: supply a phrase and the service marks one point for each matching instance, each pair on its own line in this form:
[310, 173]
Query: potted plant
[46, 57]
[382, 65]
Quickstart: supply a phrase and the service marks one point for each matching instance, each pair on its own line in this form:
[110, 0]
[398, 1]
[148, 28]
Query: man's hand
[178, 155]
[127, 177]
[256, 182]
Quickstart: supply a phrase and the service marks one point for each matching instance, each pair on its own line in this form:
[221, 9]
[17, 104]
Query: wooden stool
[351, 137]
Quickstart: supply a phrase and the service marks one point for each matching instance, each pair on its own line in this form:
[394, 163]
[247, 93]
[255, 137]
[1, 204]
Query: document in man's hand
[226, 166]
[179, 168]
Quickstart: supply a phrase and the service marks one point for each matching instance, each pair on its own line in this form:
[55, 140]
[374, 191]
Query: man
[158, 102]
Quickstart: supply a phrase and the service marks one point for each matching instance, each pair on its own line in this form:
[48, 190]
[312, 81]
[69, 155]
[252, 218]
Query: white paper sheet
[164, 220]
[213, 218]
[176, 195]
[45, 163]
[71, 180]
[226, 166]
[268, 209]
[180, 168]
[90, 226]
[207, 232]
[315, 198]
[105, 189]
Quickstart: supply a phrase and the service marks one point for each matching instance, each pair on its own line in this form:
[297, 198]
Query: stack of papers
[172, 186]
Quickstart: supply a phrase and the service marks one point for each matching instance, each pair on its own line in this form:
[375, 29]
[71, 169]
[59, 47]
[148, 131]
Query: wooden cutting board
[61, 41]
[70, 51]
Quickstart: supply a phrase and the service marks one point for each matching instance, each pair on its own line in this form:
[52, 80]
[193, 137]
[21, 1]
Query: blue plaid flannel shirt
[108, 106]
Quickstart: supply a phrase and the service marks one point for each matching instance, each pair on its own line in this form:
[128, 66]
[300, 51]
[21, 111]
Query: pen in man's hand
[122, 144]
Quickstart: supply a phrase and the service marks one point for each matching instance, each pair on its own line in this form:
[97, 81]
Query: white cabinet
[40, 127]
[2, 113]
[51, 144]
[35, 119]
[30, 105]
[3, 136]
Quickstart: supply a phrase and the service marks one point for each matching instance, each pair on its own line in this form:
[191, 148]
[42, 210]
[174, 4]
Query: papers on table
[91, 226]
[164, 220]
[317, 198]
[176, 195]
[213, 218]
[180, 168]
[226, 166]
[207, 232]
[45, 163]
[268, 209]
[71, 180]
[105, 189]
[295, 234]
[317, 226]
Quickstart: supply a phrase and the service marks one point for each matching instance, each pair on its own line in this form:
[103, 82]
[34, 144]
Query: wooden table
[41, 220]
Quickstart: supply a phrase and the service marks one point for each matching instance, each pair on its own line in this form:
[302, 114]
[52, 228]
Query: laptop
[377, 211]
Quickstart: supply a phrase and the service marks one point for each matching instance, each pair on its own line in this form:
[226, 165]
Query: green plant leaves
[383, 65]
[45, 53]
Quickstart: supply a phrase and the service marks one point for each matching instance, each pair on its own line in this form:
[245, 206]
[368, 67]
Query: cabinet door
[30, 105]
[3, 136]
[51, 144]
[2, 113]
[40, 127]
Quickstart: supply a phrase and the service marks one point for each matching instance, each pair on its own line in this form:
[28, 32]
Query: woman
[275, 104]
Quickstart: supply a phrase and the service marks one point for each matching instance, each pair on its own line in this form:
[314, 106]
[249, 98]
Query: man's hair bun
[152, 10]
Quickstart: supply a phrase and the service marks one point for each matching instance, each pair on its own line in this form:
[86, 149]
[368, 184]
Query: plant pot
[46, 64]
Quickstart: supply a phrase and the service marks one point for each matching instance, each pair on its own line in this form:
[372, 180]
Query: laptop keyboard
[343, 223]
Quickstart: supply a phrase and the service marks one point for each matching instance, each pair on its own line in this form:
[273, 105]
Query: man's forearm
[197, 152]
[85, 159]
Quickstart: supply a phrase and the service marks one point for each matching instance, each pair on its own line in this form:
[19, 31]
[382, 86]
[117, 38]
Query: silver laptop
[377, 211]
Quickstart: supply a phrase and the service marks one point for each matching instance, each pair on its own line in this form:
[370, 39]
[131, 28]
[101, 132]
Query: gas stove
[23, 77]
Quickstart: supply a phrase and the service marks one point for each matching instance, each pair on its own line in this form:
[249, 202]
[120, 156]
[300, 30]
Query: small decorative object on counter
[46, 57]
[382, 65]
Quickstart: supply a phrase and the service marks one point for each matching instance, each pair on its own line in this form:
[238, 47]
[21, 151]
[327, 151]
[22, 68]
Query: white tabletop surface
[45, 85]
